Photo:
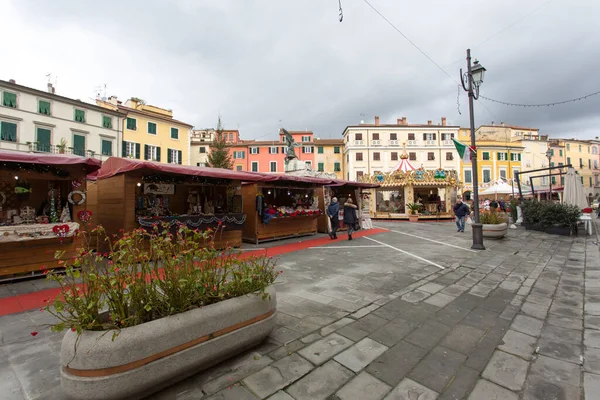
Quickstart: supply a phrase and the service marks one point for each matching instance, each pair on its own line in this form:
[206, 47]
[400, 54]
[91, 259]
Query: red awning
[65, 160]
[291, 178]
[114, 166]
[363, 185]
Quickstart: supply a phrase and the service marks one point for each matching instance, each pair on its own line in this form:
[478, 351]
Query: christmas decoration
[39, 168]
[59, 203]
[65, 216]
[84, 216]
[53, 213]
[76, 192]
[76, 184]
[61, 230]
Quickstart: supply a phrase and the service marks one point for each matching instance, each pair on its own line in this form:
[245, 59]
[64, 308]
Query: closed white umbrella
[574, 192]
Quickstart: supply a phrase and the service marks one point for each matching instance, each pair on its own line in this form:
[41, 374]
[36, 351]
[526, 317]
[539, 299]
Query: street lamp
[549, 155]
[471, 81]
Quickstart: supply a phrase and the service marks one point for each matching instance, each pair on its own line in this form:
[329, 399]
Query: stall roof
[364, 185]
[114, 166]
[90, 164]
[291, 178]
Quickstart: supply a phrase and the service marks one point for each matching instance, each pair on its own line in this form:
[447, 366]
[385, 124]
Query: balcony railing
[447, 142]
[359, 142]
[393, 143]
[430, 143]
[411, 142]
[376, 142]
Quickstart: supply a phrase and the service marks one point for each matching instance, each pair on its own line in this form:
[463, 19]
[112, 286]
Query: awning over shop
[55, 160]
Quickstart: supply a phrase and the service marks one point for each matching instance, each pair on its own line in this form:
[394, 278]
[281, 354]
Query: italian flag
[464, 151]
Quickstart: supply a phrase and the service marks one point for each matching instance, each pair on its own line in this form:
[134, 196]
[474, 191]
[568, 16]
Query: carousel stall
[283, 206]
[42, 205]
[143, 194]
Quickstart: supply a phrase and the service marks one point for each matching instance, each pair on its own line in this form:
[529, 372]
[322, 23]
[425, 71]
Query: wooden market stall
[281, 207]
[42, 205]
[135, 193]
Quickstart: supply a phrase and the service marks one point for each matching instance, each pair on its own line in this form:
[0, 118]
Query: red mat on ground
[33, 300]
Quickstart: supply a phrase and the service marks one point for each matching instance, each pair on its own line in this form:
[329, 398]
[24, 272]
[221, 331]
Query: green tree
[219, 156]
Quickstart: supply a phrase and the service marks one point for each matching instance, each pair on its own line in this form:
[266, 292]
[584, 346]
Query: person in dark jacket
[461, 210]
[350, 218]
[333, 213]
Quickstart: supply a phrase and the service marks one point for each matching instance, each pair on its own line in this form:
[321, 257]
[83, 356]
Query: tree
[219, 156]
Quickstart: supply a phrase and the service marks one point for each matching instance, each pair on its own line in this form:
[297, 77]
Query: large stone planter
[151, 356]
[495, 231]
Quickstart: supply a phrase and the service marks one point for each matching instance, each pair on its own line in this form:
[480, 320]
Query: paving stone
[284, 335]
[485, 390]
[454, 290]
[393, 332]
[415, 296]
[541, 300]
[233, 393]
[370, 323]
[395, 363]
[419, 312]
[565, 322]
[437, 368]
[561, 350]
[324, 349]
[534, 310]
[467, 301]
[431, 287]
[506, 370]
[566, 310]
[364, 387]
[361, 354]
[559, 334]
[335, 326]
[364, 311]
[552, 379]
[480, 290]
[591, 384]
[286, 350]
[440, 300]
[463, 338]
[238, 370]
[461, 384]
[352, 332]
[321, 382]
[480, 318]
[428, 335]
[591, 360]
[281, 395]
[592, 322]
[592, 308]
[410, 390]
[311, 338]
[277, 375]
[451, 314]
[345, 305]
[528, 325]
[591, 338]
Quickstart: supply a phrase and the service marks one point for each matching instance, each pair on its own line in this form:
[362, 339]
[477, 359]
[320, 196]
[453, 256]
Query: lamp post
[549, 155]
[470, 82]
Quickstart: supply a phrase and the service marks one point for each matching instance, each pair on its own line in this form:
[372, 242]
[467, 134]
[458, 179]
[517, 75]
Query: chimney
[493, 123]
[502, 123]
[404, 121]
[113, 100]
[399, 120]
[429, 122]
[443, 121]
[12, 81]
[376, 120]
[50, 88]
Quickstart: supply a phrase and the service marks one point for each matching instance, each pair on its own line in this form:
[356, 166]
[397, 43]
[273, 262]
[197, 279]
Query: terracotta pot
[413, 217]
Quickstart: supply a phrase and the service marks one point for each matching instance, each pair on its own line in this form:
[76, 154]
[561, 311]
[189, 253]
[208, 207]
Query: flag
[464, 151]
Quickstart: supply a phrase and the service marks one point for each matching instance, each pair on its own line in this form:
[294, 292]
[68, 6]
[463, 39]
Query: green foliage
[550, 214]
[147, 275]
[219, 156]
[514, 203]
[492, 218]
[414, 207]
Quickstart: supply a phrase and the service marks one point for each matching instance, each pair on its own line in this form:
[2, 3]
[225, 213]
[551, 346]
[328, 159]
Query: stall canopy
[362, 185]
[403, 165]
[499, 187]
[114, 166]
[574, 192]
[286, 178]
[59, 160]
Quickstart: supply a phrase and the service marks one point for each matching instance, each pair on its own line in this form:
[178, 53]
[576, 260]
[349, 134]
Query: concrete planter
[495, 231]
[148, 357]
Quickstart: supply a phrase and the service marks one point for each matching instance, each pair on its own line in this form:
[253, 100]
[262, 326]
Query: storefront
[284, 206]
[135, 194]
[42, 205]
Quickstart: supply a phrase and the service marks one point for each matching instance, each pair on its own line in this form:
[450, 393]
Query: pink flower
[34, 333]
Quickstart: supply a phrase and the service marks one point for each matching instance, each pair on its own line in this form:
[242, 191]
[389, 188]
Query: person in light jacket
[350, 218]
[333, 213]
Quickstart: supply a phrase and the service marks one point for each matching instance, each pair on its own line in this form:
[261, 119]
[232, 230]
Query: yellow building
[579, 154]
[151, 133]
[329, 156]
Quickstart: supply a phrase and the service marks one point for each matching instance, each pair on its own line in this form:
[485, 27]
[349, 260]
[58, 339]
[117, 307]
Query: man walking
[350, 218]
[461, 210]
[332, 212]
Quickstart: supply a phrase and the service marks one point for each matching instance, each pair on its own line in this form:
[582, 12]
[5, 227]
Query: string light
[540, 105]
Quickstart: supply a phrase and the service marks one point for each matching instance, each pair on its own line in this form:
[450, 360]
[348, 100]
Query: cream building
[200, 140]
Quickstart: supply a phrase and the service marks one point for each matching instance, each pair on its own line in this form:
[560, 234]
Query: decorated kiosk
[42, 205]
[135, 193]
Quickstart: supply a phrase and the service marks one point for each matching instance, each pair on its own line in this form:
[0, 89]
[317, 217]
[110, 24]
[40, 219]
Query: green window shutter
[8, 131]
[146, 152]
[336, 150]
[79, 145]
[158, 154]
[320, 149]
[169, 156]
[336, 167]
[235, 155]
[303, 149]
[174, 133]
[180, 157]
[312, 149]
[9, 99]
[106, 148]
[44, 107]
[132, 124]
[321, 167]
[519, 157]
[137, 150]
[124, 149]
[79, 115]
[107, 122]
[43, 139]
[258, 150]
[498, 156]
[152, 128]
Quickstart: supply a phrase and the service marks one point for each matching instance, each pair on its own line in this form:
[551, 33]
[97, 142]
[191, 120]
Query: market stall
[42, 205]
[135, 194]
[283, 206]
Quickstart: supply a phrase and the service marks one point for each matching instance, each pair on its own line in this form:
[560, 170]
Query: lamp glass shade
[549, 153]
[477, 72]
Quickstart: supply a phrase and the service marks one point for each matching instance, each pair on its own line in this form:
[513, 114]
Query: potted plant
[157, 307]
[62, 146]
[413, 215]
[559, 219]
[495, 225]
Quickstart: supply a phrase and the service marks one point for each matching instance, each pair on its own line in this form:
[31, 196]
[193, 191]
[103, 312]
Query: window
[429, 136]
[359, 157]
[412, 156]
[336, 149]
[131, 124]
[151, 128]
[580, 163]
[568, 160]
[174, 133]
[306, 138]
[591, 184]
[562, 180]
[581, 180]
[393, 136]
[560, 152]
[308, 163]
[307, 149]
[231, 137]
[552, 152]
[321, 167]
[552, 164]
[273, 166]
[503, 173]
[376, 136]
[337, 167]
[376, 156]
[151, 153]
[486, 155]
[515, 172]
[468, 176]
[430, 156]
[502, 156]
[595, 164]
[320, 149]
[202, 149]
[449, 156]
[358, 136]
[43, 138]
[594, 150]
[238, 167]
[239, 155]
[9, 99]
[411, 136]
[394, 156]
[588, 149]
[254, 150]
[106, 122]
[8, 131]
[174, 156]
[273, 150]
[254, 166]
[487, 176]
[44, 107]
[79, 145]
[580, 148]
[568, 146]
[107, 147]
[79, 115]
[131, 150]
[590, 164]
[447, 136]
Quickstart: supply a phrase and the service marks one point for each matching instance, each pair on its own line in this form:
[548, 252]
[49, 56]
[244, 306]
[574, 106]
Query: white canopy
[574, 192]
[499, 187]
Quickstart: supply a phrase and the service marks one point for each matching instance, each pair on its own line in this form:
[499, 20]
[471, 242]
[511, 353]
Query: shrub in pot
[559, 219]
[495, 225]
[414, 208]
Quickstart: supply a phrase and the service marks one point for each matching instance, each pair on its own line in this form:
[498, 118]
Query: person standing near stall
[332, 212]
[461, 210]
[350, 218]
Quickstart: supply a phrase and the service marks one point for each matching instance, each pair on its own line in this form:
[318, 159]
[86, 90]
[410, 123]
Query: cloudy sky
[266, 63]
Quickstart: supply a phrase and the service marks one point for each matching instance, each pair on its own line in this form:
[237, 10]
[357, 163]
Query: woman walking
[332, 212]
[350, 218]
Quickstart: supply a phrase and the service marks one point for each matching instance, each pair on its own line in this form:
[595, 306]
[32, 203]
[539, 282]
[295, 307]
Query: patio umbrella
[574, 192]
[499, 187]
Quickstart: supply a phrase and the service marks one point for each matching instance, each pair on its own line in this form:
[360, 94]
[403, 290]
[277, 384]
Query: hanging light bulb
[16, 177]
[269, 192]
[139, 184]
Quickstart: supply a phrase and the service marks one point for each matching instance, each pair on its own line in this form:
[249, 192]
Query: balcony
[430, 143]
[447, 142]
[393, 143]
[376, 142]
[359, 142]
[411, 142]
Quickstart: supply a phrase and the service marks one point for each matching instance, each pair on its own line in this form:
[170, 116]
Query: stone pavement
[378, 318]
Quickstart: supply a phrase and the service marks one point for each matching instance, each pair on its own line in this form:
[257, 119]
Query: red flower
[43, 267]
[73, 329]
[34, 333]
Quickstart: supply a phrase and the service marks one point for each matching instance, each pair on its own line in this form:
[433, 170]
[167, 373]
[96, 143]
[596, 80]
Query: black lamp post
[470, 82]
[549, 155]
